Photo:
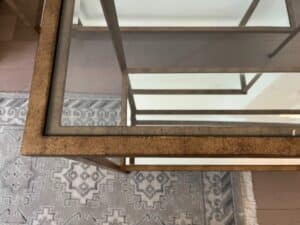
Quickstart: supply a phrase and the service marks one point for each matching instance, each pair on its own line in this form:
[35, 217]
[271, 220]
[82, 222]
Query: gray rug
[58, 191]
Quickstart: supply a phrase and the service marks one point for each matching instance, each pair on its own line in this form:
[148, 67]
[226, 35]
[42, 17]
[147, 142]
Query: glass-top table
[193, 71]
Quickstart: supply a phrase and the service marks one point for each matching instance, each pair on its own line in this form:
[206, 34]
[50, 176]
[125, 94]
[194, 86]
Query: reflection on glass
[270, 13]
[269, 92]
[173, 92]
[93, 82]
[192, 13]
[94, 85]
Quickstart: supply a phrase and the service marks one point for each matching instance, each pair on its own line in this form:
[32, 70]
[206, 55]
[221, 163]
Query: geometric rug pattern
[60, 191]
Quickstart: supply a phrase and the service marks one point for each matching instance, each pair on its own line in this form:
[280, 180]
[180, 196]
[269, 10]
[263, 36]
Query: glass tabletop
[191, 13]
[192, 68]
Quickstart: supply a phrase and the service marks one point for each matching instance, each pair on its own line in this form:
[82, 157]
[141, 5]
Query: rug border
[243, 186]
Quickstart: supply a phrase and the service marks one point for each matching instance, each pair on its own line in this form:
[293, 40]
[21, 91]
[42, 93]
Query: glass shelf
[196, 82]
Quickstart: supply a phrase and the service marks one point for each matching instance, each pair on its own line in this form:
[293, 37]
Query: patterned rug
[58, 191]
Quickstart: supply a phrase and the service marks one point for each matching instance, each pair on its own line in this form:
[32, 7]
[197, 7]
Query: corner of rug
[248, 197]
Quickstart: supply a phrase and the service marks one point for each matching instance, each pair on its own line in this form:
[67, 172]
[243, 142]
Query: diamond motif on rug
[82, 180]
[151, 186]
[17, 175]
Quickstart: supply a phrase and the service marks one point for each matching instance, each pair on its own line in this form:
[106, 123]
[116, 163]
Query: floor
[277, 193]
[17, 50]
[278, 197]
